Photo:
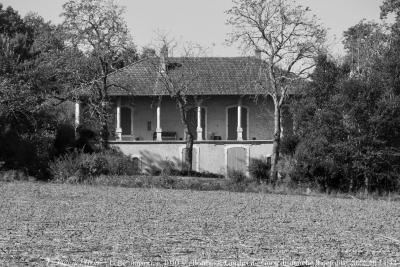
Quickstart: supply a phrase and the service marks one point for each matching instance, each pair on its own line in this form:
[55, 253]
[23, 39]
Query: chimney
[257, 53]
[163, 58]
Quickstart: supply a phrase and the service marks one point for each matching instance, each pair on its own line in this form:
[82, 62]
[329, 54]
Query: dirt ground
[75, 225]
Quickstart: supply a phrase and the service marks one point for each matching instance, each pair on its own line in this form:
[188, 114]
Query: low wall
[208, 156]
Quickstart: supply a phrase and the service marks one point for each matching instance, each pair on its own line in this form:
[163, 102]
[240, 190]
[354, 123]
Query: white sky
[203, 21]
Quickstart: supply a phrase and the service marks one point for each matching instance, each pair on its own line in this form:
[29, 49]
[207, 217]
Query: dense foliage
[77, 167]
[349, 118]
[31, 86]
[259, 170]
[41, 72]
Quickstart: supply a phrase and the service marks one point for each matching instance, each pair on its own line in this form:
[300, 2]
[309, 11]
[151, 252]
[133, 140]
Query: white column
[159, 130]
[132, 133]
[199, 129]
[118, 131]
[239, 122]
[77, 111]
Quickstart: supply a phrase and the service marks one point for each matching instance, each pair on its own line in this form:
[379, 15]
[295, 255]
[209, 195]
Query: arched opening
[232, 122]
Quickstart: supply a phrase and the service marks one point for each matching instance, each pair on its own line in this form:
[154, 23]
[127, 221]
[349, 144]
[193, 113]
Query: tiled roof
[201, 75]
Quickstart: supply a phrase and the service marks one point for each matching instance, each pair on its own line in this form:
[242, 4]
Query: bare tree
[97, 28]
[288, 38]
[176, 77]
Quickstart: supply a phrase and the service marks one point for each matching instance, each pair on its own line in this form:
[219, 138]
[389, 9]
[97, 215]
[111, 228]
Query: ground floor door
[236, 159]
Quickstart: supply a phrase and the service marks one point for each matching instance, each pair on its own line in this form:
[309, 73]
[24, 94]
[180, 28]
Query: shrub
[168, 167]
[14, 175]
[286, 169]
[259, 170]
[78, 166]
[204, 174]
[94, 165]
[289, 144]
[256, 187]
[64, 167]
[88, 140]
[65, 139]
[237, 177]
[27, 153]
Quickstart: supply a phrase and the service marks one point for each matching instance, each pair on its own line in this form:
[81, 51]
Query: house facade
[230, 118]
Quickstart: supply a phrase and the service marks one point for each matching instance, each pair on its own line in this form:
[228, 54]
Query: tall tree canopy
[390, 6]
[365, 43]
[349, 118]
[288, 37]
[16, 39]
[98, 29]
[32, 85]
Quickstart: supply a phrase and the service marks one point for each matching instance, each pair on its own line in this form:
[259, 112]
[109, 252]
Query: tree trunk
[351, 184]
[104, 132]
[366, 184]
[188, 166]
[276, 143]
[189, 152]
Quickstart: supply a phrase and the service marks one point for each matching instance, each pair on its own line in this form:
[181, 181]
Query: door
[236, 159]
[232, 123]
[126, 121]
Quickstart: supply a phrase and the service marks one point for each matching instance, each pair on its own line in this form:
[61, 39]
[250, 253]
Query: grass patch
[162, 181]
[73, 224]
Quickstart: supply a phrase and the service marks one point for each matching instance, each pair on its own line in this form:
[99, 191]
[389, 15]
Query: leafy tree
[29, 92]
[320, 126]
[289, 39]
[390, 6]
[349, 117]
[16, 39]
[391, 67]
[366, 42]
[97, 28]
[148, 52]
[349, 131]
[48, 37]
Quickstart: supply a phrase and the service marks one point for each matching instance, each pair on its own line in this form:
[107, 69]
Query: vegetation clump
[259, 170]
[79, 167]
